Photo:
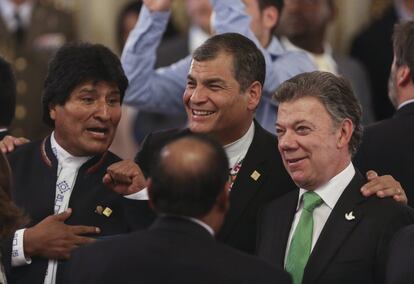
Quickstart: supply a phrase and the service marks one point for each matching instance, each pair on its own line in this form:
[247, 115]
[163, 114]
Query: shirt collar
[239, 148]
[8, 9]
[332, 190]
[64, 157]
[275, 48]
[405, 103]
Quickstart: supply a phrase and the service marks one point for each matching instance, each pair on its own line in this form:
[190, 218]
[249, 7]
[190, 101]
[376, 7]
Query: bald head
[188, 176]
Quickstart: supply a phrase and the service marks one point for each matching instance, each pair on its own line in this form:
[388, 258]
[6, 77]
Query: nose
[198, 95]
[287, 141]
[102, 111]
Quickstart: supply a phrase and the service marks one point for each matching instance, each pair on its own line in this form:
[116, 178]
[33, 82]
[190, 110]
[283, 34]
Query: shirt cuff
[140, 195]
[18, 257]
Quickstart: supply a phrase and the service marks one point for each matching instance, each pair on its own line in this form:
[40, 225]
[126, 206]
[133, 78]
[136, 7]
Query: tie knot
[311, 200]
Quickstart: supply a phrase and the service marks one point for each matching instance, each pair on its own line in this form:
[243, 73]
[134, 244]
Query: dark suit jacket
[346, 252]
[400, 264]
[247, 195]
[373, 48]
[34, 168]
[172, 250]
[387, 147]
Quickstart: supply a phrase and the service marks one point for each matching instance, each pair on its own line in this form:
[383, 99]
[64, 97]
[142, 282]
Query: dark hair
[248, 61]
[188, 187]
[74, 64]
[334, 92]
[403, 41]
[132, 7]
[278, 4]
[7, 93]
[11, 217]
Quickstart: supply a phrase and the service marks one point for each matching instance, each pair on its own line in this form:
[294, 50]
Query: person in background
[373, 48]
[387, 145]
[30, 33]
[303, 26]
[7, 97]
[11, 217]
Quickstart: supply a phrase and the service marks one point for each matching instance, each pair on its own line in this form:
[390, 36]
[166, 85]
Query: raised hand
[53, 239]
[125, 177]
[158, 5]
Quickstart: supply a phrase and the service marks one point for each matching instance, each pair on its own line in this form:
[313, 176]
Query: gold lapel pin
[255, 175]
[350, 216]
[107, 212]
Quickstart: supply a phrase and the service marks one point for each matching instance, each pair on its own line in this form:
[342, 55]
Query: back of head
[334, 92]
[403, 41]
[7, 94]
[10, 216]
[248, 61]
[74, 64]
[188, 176]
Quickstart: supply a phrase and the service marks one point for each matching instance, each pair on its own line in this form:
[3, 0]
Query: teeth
[202, 112]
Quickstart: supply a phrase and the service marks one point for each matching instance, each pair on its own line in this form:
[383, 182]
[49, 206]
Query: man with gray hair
[315, 231]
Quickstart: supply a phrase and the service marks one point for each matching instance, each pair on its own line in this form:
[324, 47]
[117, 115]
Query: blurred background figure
[7, 97]
[10, 216]
[303, 26]
[373, 47]
[30, 32]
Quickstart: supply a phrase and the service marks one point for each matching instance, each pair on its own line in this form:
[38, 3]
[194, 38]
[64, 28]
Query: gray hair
[334, 92]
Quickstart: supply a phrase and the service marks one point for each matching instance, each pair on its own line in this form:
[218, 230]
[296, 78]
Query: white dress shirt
[8, 10]
[236, 151]
[329, 193]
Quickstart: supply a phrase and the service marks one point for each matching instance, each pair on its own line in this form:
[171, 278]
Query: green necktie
[300, 246]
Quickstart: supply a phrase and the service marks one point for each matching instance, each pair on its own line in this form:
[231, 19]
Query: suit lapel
[336, 229]
[245, 186]
[281, 222]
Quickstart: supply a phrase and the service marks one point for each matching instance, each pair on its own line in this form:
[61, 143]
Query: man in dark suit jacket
[347, 236]
[7, 97]
[223, 91]
[189, 189]
[400, 263]
[57, 181]
[387, 145]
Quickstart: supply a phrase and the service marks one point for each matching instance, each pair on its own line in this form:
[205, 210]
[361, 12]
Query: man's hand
[158, 5]
[53, 239]
[384, 186]
[125, 177]
[9, 143]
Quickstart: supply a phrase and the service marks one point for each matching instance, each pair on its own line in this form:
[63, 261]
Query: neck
[312, 44]
[409, 5]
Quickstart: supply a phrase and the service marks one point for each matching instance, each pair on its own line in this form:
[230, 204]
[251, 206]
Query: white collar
[275, 47]
[237, 150]
[3, 129]
[324, 61]
[64, 157]
[196, 37]
[8, 9]
[405, 103]
[332, 190]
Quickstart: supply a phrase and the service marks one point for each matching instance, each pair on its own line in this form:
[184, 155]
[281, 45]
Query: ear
[223, 200]
[270, 17]
[52, 111]
[345, 131]
[403, 75]
[254, 93]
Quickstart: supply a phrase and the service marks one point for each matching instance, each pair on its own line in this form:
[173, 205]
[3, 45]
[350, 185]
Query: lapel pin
[350, 216]
[255, 175]
[107, 212]
[99, 209]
